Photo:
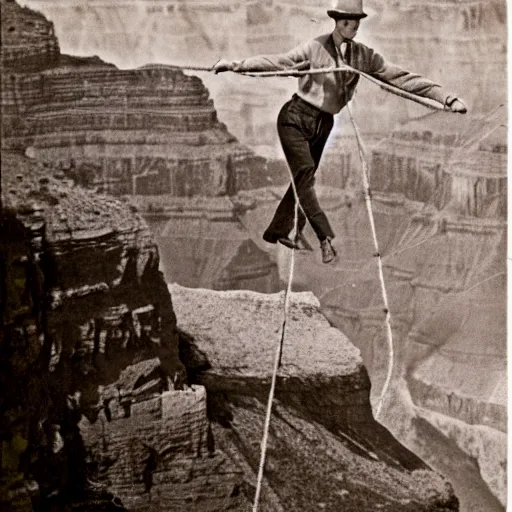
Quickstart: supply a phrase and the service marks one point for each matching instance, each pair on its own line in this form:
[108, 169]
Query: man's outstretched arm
[277, 62]
[411, 82]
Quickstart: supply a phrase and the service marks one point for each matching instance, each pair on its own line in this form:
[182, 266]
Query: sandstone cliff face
[151, 133]
[126, 132]
[144, 131]
[326, 452]
[445, 281]
[85, 298]
[28, 39]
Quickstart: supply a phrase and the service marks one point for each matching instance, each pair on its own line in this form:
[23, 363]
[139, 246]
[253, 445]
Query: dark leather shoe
[288, 243]
[269, 238]
[328, 252]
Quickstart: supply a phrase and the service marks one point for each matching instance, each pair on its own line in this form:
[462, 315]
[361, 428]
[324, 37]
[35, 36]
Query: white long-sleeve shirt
[330, 92]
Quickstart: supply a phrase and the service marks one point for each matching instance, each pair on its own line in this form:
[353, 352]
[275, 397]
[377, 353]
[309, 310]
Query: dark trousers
[303, 131]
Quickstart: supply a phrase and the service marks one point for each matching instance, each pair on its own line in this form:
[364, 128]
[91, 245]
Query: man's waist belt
[308, 107]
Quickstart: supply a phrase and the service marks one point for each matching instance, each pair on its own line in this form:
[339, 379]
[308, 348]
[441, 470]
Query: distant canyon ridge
[157, 138]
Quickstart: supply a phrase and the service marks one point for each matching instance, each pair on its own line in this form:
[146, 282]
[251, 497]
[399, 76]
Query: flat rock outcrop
[326, 452]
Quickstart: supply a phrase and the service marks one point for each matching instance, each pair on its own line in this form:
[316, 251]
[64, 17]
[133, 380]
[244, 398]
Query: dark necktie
[345, 51]
[344, 57]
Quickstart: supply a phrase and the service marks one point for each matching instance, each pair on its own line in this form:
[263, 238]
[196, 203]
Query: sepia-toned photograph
[253, 256]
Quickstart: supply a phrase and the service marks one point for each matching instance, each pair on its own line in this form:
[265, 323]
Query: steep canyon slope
[96, 408]
[440, 214]
[439, 190]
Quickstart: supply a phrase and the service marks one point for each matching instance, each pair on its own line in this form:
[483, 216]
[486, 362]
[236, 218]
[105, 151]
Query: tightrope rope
[277, 365]
[368, 200]
[279, 350]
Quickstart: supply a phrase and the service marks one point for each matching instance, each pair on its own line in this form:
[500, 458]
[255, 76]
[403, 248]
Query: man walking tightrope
[304, 122]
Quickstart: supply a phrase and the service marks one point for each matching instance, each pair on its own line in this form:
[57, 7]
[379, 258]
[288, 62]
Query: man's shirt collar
[338, 39]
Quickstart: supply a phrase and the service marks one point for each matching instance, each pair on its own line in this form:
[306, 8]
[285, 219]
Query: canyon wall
[203, 244]
[138, 131]
[151, 133]
[439, 202]
[28, 39]
[461, 45]
[97, 412]
[96, 408]
[84, 298]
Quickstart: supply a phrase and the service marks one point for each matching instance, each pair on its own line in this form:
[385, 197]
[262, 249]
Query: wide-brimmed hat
[349, 9]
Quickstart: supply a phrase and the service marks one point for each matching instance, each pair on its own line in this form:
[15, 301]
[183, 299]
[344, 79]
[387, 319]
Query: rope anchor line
[279, 354]
[368, 196]
[377, 254]
[279, 350]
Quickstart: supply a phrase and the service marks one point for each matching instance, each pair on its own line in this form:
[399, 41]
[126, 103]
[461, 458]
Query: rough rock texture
[326, 452]
[85, 298]
[154, 445]
[153, 133]
[445, 282]
[28, 39]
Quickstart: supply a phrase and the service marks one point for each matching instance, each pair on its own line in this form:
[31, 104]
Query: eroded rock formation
[152, 133]
[326, 452]
[28, 39]
[102, 418]
[154, 445]
[143, 131]
[84, 299]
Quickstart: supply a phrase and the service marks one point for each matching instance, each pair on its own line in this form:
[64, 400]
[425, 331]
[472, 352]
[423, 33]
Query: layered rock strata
[86, 302]
[326, 452]
[203, 244]
[155, 446]
[143, 131]
[28, 39]
[444, 276]
[102, 418]
[126, 132]
[455, 164]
